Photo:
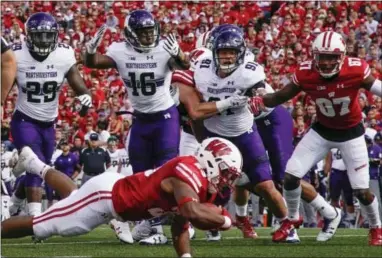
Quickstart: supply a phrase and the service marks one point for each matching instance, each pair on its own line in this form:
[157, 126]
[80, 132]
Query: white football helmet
[329, 53]
[222, 162]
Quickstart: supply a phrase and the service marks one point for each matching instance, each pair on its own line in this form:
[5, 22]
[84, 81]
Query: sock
[292, 198]
[34, 208]
[241, 210]
[350, 216]
[156, 224]
[372, 213]
[16, 201]
[36, 166]
[325, 209]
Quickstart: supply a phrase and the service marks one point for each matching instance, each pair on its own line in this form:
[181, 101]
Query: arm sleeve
[185, 77]
[4, 45]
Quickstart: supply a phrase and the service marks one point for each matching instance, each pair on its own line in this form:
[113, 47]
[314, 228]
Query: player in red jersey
[181, 185]
[332, 80]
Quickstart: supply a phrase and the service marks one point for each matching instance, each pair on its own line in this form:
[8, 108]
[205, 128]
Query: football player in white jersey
[145, 64]
[6, 178]
[116, 162]
[222, 76]
[43, 64]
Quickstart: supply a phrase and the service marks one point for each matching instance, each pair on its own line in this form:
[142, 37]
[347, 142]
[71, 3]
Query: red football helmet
[328, 53]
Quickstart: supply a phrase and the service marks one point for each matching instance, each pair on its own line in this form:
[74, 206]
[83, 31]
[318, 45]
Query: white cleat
[191, 232]
[122, 230]
[142, 230]
[213, 236]
[276, 225]
[293, 237]
[329, 228]
[156, 239]
[22, 161]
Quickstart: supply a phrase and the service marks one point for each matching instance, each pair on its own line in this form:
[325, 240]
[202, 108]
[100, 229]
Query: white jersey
[146, 75]
[337, 161]
[232, 122]
[39, 83]
[115, 159]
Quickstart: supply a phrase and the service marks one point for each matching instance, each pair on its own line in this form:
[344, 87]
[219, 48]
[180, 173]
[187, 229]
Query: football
[203, 226]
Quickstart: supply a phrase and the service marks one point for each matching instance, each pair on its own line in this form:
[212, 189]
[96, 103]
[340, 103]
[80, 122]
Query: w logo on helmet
[218, 148]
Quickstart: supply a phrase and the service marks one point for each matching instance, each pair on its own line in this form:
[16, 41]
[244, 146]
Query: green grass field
[103, 243]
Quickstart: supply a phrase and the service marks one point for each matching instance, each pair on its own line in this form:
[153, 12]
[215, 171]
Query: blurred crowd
[279, 33]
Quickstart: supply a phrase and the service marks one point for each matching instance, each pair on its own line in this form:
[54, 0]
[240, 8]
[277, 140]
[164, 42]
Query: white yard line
[199, 239]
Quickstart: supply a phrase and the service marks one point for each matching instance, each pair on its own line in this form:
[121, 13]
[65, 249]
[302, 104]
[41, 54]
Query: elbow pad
[376, 88]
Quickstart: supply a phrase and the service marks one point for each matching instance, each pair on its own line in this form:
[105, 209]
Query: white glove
[92, 45]
[86, 100]
[171, 45]
[325, 181]
[234, 101]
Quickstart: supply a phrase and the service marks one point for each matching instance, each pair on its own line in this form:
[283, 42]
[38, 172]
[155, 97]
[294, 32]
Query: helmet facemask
[143, 39]
[328, 64]
[42, 42]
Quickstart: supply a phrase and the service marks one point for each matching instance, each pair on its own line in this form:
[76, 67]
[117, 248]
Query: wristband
[222, 105]
[227, 223]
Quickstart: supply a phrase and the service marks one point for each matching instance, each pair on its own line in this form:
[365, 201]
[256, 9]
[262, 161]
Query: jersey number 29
[35, 90]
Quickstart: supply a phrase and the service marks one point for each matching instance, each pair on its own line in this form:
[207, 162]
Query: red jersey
[336, 99]
[140, 196]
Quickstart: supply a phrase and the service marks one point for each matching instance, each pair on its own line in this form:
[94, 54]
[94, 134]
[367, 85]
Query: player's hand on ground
[86, 100]
[93, 44]
[171, 45]
[256, 105]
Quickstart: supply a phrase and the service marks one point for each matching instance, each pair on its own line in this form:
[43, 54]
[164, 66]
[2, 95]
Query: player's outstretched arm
[93, 59]
[77, 83]
[281, 96]
[8, 69]
[373, 85]
[197, 110]
[180, 236]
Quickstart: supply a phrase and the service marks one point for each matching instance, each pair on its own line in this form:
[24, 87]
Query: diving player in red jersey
[332, 80]
[181, 186]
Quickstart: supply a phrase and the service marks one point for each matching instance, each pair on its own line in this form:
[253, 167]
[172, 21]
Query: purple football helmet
[142, 30]
[219, 29]
[42, 33]
[229, 40]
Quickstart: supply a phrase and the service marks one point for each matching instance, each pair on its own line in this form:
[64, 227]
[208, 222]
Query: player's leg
[188, 144]
[349, 201]
[26, 133]
[48, 146]
[18, 196]
[276, 131]
[257, 168]
[311, 149]
[375, 188]
[335, 186]
[355, 156]
[77, 214]
[139, 147]
[165, 139]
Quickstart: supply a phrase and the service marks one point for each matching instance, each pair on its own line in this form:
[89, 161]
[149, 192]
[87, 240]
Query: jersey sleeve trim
[367, 72]
[294, 80]
[185, 77]
[190, 176]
